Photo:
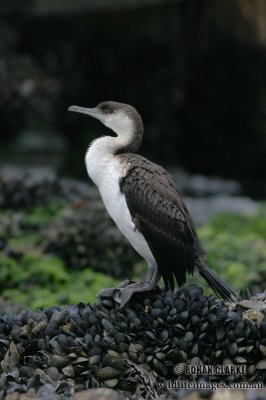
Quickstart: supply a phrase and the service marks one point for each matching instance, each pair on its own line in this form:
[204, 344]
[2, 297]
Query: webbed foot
[123, 292]
[123, 295]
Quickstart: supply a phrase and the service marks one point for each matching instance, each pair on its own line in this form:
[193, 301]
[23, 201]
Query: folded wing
[161, 216]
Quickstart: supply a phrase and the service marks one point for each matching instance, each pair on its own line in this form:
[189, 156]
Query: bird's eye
[106, 109]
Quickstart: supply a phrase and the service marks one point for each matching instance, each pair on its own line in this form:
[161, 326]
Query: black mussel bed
[58, 352]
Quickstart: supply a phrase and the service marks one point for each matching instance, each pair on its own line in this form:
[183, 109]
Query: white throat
[102, 150]
[100, 157]
[123, 126]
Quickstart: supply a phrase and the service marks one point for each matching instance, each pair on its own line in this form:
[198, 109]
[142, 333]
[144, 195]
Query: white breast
[105, 171]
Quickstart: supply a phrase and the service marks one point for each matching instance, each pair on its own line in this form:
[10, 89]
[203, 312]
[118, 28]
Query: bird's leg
[151, 271]
[125, 294]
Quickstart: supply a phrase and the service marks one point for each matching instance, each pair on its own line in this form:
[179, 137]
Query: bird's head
[123, 119]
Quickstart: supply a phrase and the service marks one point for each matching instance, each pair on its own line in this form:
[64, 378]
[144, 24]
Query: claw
[125, 296]
[117, 296]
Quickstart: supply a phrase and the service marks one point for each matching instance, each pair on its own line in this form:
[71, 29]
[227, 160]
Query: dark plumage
[161, 215]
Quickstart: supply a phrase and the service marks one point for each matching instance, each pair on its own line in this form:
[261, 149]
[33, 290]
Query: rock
[99, 394]
[62, 361]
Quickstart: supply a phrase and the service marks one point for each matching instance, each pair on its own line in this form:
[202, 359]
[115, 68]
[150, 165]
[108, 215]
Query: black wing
[161, 216]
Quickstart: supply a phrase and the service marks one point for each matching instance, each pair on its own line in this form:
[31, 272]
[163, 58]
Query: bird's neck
[103, 147]
[126, 141]
[101, 156]
[129, 133]
[103, 151]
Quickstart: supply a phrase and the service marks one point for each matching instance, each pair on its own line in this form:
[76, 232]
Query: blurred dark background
[195, 70]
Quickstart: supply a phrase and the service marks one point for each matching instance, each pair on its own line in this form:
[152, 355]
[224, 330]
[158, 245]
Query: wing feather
[161, 216]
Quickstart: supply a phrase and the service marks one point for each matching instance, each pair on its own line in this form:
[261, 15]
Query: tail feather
[217, 284]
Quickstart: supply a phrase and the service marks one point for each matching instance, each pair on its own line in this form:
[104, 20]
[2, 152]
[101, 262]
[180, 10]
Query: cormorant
[143, 201]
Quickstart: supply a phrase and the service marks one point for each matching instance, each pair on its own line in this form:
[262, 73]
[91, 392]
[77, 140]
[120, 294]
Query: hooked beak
[93, 112]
